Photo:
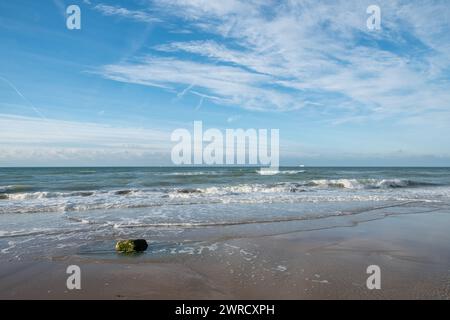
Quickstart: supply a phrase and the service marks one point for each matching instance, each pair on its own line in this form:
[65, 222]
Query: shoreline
[412, 251]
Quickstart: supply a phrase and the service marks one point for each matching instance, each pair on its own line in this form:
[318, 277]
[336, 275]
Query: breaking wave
[368, 183]
[294, 192]
[240, 188]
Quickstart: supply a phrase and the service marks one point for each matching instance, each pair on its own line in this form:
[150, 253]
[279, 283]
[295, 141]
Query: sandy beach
[412, 251]
[224, 150]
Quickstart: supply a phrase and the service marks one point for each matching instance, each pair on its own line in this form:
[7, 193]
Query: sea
[48, 212]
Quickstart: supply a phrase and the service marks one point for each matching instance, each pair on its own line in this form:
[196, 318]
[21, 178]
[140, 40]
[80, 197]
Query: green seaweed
[131, 246]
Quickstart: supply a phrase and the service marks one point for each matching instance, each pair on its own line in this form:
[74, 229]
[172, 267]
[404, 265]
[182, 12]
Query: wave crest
[367, 183]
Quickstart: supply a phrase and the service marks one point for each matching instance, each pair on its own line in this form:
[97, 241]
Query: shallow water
[48, 211]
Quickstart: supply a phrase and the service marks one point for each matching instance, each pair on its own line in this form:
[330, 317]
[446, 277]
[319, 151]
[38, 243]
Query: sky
[112, 92]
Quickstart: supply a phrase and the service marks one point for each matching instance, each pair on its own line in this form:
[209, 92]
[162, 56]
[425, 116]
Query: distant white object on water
[268, 171]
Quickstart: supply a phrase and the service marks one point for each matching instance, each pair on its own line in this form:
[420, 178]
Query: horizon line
[221, 166]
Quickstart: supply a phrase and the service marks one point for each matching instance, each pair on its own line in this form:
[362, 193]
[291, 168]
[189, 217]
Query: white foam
[319, 190]
[281, 268]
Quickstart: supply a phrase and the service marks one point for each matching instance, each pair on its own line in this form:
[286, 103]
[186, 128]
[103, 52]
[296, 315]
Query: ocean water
[50, 211]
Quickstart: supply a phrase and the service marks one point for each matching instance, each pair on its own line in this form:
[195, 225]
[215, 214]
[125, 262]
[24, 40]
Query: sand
[412, 251]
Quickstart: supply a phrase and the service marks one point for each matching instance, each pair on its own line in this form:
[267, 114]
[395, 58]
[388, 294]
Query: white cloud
[137, 15]
[197, 9]
[233, 118]
[291, 54]
[224, 84]
[55, 141]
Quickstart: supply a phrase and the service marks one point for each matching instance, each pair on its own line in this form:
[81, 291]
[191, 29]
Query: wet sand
[413, 252]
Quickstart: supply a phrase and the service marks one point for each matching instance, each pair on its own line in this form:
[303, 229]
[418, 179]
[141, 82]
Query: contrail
[24, 98]
[36, 110]
[182, 93]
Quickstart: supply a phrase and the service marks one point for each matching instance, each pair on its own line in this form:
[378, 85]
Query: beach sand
[412, 251]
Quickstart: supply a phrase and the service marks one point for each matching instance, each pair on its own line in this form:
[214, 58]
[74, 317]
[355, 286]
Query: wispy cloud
[295, 54]
[137, 15]
[55, 141]
[222, 84]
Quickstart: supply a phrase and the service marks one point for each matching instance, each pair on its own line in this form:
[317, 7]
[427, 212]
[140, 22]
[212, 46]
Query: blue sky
[112, 92]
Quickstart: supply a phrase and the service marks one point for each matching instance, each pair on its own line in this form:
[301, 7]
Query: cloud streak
[294, 54]
[121, 12]
[55, 141]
